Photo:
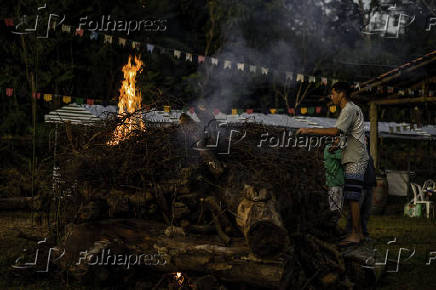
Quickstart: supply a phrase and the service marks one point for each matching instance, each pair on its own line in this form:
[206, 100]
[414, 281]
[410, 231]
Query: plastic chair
[420, 198]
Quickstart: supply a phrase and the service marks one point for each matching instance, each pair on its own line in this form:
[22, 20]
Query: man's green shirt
[334, 173]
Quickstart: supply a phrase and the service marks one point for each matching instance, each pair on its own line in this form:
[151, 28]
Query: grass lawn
[417, 234]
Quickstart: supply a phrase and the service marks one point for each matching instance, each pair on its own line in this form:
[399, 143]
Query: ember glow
[179, 278]
[129, 102]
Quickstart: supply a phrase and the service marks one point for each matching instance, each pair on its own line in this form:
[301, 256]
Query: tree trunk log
[262, 227]
[197, 253]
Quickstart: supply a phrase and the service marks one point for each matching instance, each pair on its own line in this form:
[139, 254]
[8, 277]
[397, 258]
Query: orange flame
[179, 278]
[129, 102]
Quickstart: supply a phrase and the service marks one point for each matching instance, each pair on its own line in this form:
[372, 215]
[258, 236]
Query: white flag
[252, 68]
[289, 75]
[264, 70]
[227, 64]
[324, 81]
[300, 78]
[189, 57]
[122, 41]
[241, 66]
[312, 79]
[214, 61]
[107, 38]
[177, 53]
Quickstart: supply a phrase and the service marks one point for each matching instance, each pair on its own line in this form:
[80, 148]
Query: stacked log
[256, 215]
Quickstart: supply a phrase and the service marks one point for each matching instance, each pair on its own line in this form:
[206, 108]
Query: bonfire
[129, 103]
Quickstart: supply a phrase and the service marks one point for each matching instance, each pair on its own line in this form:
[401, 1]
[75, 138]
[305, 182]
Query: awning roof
[88, 114]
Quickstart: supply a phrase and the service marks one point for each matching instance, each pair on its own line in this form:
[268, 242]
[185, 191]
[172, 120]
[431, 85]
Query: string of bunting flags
[64, 99]
[214, 61]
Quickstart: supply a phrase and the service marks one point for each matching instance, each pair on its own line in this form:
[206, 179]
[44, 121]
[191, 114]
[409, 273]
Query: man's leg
[356, 229]
[354, 175]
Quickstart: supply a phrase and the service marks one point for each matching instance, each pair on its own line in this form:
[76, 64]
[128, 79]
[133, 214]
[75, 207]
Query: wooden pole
[373, 130]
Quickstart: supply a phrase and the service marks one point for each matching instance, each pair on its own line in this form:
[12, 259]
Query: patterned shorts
[336, 198]
[354, 175]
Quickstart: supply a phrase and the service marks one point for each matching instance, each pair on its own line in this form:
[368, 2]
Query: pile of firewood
[235, 212]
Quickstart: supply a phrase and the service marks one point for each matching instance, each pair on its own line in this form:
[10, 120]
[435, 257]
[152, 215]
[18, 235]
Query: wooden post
[373, 130]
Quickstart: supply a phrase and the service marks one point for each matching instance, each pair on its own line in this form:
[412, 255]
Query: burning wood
[129, 102]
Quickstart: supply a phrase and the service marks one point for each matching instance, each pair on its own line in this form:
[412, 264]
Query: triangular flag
[192, 110]
[200, 59]
[390, 90]
[93, 35]
[312, 79]
[252, 68]
[334, 81]
[66, 28]
[401, 92]
[240, 66]
[300, 78]
[9, 22]
[36, 95]
[240, 111]
[291, 111]
[177, 53]
[227, 64]
[216, 111]
[324, 81]
[150, 48]
[234, 111]
[79, 32]
[167, 109]
[107, 38]
[318, 110]
[280, 110]
[188, 57]
[332, 108]
[303, 110]
[214, 60]
[135, 44]
[48, 97]
[272, 110]
[66, 99]
[122, 41]
[264, 70]
[249, 111]
[90, 101]
[311, 110]
[356, 85]
[79, 101]
[9, 92]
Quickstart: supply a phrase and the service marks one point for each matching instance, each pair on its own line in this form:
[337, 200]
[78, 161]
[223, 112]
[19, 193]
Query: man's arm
[319, 131]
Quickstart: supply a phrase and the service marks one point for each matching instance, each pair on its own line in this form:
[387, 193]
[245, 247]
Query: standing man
[354, 158]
